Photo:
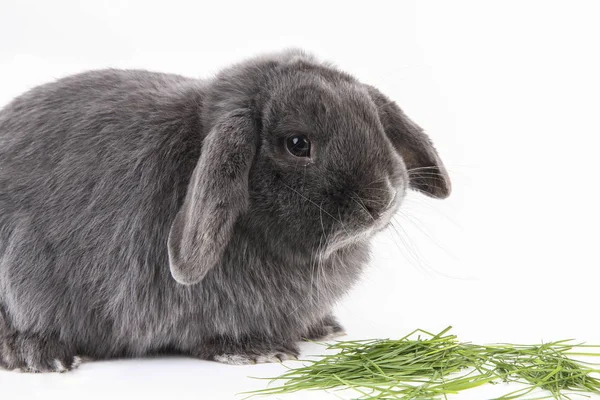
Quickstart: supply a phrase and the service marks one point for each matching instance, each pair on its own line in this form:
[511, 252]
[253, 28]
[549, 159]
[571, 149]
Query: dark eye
[298, 146]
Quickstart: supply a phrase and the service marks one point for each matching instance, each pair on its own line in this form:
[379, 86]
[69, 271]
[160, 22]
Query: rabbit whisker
[421, 168]
[382, 179]
[312, 202]
[425, 174]
[424, 231]
[413, 256]
[430, 268]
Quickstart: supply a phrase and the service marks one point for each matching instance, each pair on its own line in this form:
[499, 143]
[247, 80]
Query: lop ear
[217, 194]
[425, 168]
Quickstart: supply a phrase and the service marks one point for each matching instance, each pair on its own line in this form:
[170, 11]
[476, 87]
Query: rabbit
[144, 213]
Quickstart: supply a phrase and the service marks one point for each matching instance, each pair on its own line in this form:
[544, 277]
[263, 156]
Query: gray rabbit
[145, 213]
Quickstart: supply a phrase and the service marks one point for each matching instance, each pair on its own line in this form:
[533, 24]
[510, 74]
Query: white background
[508, 90]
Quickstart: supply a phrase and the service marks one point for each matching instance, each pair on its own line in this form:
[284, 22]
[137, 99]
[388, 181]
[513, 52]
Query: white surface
[509, 92]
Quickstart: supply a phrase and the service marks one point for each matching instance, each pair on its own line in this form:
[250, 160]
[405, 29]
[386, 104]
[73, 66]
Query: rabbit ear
[216, 195]
[425, 168]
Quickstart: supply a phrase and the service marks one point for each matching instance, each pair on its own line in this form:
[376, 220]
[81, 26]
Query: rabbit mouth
[386, 217]
[344, 239]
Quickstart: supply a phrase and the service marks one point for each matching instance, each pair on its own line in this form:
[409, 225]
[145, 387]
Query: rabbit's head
[306, 154]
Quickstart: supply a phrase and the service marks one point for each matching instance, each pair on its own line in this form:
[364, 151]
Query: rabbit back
[93, 169]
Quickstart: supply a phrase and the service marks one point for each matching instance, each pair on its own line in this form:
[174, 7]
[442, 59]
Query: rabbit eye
[298, 146]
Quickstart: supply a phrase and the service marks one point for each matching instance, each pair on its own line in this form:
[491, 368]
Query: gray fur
[144, 213]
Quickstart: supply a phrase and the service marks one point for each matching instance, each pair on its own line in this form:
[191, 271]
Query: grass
[432, 366]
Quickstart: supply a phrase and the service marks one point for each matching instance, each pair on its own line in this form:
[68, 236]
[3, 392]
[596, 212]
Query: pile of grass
[431, 366]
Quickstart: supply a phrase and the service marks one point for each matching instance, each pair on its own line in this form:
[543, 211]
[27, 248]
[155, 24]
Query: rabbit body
[103, 176]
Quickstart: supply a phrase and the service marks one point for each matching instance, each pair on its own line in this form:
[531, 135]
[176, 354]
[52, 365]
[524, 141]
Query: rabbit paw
[258, 354]
[243, 359]
[326, 329]
[31, 353]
